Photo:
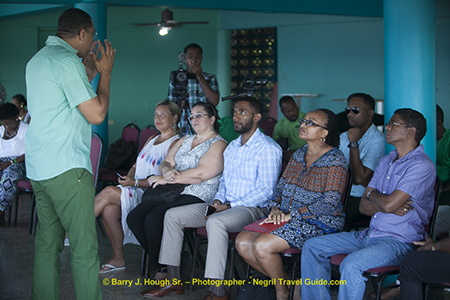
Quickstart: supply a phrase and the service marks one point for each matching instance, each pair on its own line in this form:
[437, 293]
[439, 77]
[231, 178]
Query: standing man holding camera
[64, 105]
[203, 88]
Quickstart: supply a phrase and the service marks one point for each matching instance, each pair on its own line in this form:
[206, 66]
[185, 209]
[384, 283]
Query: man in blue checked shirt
[252, 164]
[203, 87]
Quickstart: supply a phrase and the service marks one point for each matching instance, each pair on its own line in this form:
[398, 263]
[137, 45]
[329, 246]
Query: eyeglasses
[355, 110]
[197, 116]
[309, 123]
[391, 124]
[163, 115]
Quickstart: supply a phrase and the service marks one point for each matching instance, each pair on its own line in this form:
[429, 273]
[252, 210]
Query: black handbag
[162, 193]
[118, 154]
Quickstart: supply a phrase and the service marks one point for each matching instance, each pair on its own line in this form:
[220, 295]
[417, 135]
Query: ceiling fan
[167, 22]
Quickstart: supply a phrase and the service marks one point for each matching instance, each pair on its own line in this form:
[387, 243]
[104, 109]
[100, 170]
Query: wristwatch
[353, 145]
[368, 194]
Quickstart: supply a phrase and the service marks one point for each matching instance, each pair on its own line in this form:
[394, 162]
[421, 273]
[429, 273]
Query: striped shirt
[250, 171]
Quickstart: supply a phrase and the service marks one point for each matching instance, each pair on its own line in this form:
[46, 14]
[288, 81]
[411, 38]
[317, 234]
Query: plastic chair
[130, 133]
[377, 275]
[145, 134]
[268, 125]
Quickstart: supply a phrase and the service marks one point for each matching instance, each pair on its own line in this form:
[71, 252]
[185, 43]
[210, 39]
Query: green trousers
[66, 204]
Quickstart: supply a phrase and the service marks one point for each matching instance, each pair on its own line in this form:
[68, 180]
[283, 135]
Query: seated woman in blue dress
[307, 199]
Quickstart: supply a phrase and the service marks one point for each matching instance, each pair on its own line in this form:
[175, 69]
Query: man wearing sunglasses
[363, 147]
[400, 200]
[288, 127]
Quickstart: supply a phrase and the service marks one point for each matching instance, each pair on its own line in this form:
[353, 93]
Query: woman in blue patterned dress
[307, 200]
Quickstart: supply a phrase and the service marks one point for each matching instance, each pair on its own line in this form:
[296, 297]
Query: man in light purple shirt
[400, 199]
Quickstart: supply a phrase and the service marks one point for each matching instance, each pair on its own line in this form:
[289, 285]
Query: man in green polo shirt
[64, 105]
[288, 127]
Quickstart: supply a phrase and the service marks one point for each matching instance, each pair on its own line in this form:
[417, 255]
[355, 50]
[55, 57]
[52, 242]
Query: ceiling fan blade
[146, 24]
[199, 22]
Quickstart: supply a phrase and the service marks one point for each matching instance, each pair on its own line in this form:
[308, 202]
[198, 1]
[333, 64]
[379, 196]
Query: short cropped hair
[21, 99]
[413, 118]
[72, 21]
[367, 99]
[286, 99]
[8, 111]
[193, 45]
[333, 138]
[210, 110]
[254, 104]
[439, 113]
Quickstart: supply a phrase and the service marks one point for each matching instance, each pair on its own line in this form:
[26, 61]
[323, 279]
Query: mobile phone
[210, 210]
[120, 176]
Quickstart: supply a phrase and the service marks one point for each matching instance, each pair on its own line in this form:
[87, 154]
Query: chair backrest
[429, 228]
[96, 153]
[130, 133]
[268, 125]
[348, 188]
[147, 132]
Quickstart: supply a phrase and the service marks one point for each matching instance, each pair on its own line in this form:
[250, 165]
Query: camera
[248, 84]
[180, 79]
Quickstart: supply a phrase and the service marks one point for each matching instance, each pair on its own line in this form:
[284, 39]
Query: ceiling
[368, 8]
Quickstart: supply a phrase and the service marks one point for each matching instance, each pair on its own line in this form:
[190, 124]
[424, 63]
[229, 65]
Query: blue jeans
[364, 253]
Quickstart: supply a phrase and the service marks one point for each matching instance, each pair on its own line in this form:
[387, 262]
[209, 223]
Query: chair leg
[143, 263]
[35, 216]
[10, 211]
[33, 207]
[248, 272]
[232, 250]
[294, 266]
[377, 283]
[194, 262]
[16, 210]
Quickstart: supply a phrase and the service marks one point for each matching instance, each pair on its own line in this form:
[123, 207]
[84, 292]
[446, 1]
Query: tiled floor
[16, 260]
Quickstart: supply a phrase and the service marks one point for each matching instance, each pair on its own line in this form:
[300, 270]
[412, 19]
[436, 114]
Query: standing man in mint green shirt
[289, 127]
[64, 105]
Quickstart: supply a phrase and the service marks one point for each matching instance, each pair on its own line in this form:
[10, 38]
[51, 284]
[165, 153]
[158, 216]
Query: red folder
[264, 228]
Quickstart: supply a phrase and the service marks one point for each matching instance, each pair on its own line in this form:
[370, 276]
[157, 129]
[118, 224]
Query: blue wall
[332, 56]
